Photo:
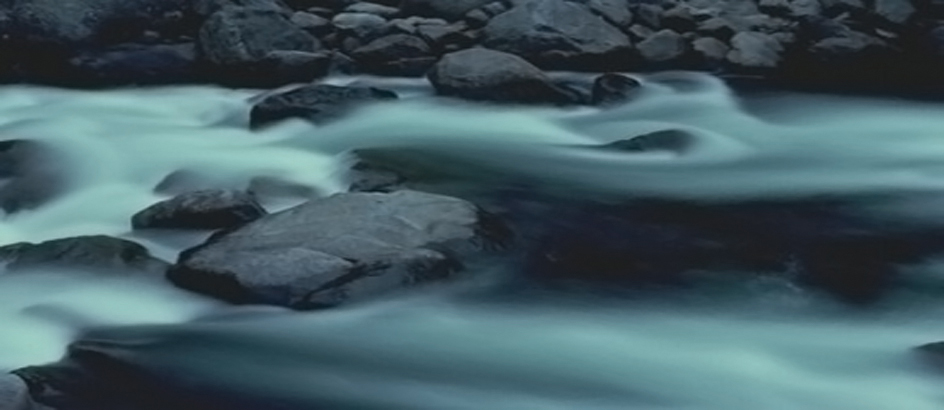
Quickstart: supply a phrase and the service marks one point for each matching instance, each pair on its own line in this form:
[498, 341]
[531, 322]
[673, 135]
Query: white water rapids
[444, 353]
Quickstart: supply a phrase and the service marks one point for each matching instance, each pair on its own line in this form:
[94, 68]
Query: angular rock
[312, 23]
[208, 209]
[490, 75]
[650, 15]
[560, 35]
[98, 252]
[719, 27]
[445, 9]
[206, 8]
[616, 12]
[397, 54]
[441, 37]
[362, 26]
[136, 64]
[710, 50]
[755, 50]
[663, 46]
[234, 37]
[342, 248]
[612, 88]
[317, 103]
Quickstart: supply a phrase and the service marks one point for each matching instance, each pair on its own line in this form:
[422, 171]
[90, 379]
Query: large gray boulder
[96, 253]
[317, 103]
[85, 22]
[445, 9]
[558, 34]
[337, 249]
[206, 209]
[489, 75]
[238, 36]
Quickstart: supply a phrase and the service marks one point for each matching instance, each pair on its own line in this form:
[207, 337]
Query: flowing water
[447, 351]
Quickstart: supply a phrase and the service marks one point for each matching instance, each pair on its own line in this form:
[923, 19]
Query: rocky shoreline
[880, 45]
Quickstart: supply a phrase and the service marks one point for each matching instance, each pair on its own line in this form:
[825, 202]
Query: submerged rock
[208, 209]
[317, 103]
[613, 88]
[32, 175]
[14, 394]
[98, 252]
[489, 75]
[342, 248]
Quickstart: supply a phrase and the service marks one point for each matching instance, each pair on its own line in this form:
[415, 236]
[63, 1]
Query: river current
[447, 350]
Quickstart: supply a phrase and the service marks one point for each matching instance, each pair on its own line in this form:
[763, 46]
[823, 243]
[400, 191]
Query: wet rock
[317, 103]
[31, 173]
[755, 50]
[612, 88]
[99, 253]
[136, 64]
[312, 23]
[679, 18]
[208, 209]
[343, 248]
[205, 8]
[895, 11]
[577, 40]
[663, 46]
[711, 51]
[489, 75]
[719, 27]
[397, 54]
[362, 26]
[236, 37]
[446, 9]
[69, 23]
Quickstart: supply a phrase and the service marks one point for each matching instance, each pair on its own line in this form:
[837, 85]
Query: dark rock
[446, 9]
[710, 50]
[317, 103]
[612, 88]
[663, 46]
[372, 8]
[441, 36]
[362, 26]
[286, 66]
[932, 354]
[846, 47]
[753, 50]
[235, 37]
[718, 27]
[312, 23]
[99, 253]
[650, 15]
[398, 54]
[666, 140]
[32, 174]
[68, 23]
[895, 11]
[832, 8]
[343, 248]
[489, 75]
[477, 18]
[616, 12]
[365, 177]
[205, 8]
[640, 32]
[136, 64]
[210, 209]
[936, 38]
[679, 18]
[577, 39]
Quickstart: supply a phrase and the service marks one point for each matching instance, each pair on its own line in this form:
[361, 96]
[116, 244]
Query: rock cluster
[268, 43]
